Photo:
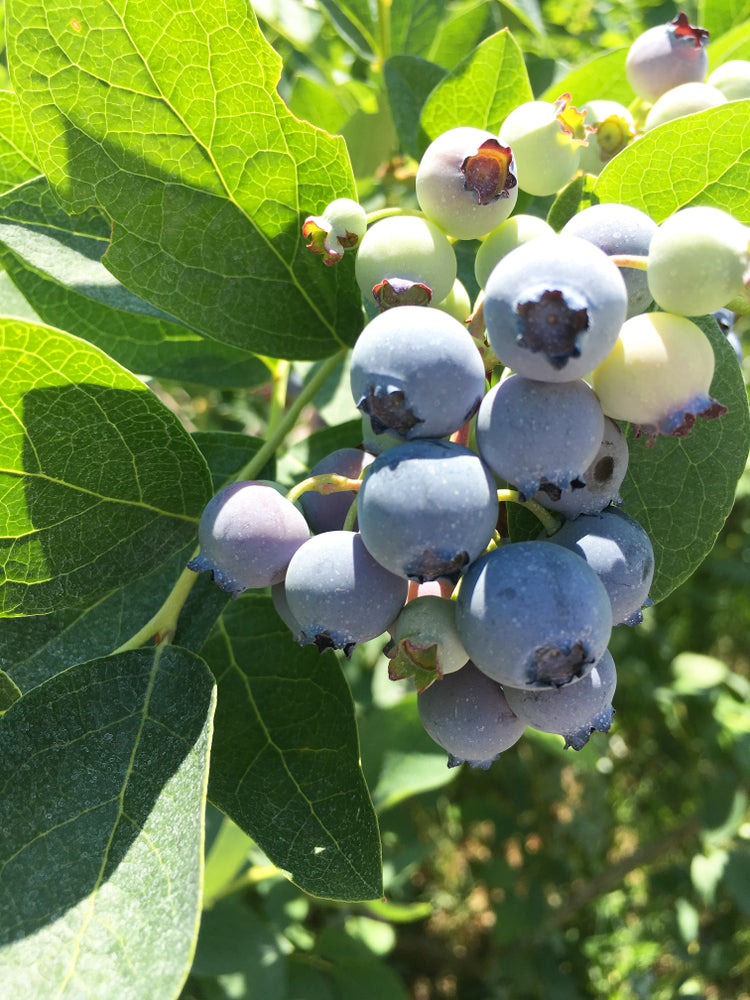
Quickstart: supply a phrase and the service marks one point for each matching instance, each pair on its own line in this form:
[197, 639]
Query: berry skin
[573, 711]
[658, 375]
[425, 643]
[456, 303]
[327, 511]
[732, 78]
[416, 373]
[511, 234]
[614, 129]
[532, 433]
[553, 308]
[666, 56]
[248, 533]
[619, 551]
[341, 227]
[427, 509]
[466, 182]
[546, 139]
[338, 594]
[686, 99]
[412, 256]
[466, 713]
[598, 485]
[533, 615]
[619, 229]
[697, 261]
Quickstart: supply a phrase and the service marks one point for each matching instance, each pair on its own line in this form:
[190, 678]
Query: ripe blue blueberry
[553, 308]
[466, 713]
[427, 509]
[416, 373]
[533, 615]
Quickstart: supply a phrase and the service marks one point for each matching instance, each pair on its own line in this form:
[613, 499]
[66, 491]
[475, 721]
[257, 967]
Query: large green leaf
[482, 89]
[55, 261]
[101, 828]
[734, 45]
[180, 136]
[702, 159]
[720, 16]
[285, 762]
[35, 648]
[409, 81]
[601, 78]
[18, 160]
[100, 482]
[682, 489]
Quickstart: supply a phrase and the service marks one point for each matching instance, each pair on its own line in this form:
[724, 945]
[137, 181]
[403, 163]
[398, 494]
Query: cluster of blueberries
[512, 399]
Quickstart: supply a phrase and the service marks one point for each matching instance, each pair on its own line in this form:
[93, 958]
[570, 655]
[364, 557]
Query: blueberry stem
[630, 260]
[548, 521]
[325, 483]
[387, 213]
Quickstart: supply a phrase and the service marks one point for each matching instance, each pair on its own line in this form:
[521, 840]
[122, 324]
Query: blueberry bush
[222, 248]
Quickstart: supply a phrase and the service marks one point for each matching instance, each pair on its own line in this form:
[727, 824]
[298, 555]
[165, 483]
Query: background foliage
[619, 872]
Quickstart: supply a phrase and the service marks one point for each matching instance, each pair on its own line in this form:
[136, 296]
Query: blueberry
[553, 308]
[427, 509]
[466, 713]
[532, 614]
[248, 533]
[416, 372]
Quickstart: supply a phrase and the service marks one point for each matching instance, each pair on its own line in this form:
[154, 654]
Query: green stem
[548, 521]
[387, 213]
[164, 623]
[630, 260]
[275, 439]
[278, 395]
[326, 483]
[384, 29]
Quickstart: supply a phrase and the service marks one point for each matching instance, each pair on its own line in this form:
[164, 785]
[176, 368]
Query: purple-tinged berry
[248, 533]
[573, 711]
[666, 56]
[466, 713]
[466, 182]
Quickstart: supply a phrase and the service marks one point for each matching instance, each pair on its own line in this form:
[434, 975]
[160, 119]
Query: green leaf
[695, 673]
[720, 16]
[180, 137]
[682, 489]
[706, 872]
[100, 481]
[354, 21]
[528, 13]
[37, 647]
[458, 33]
[18, 159]
[737, 878]
[101, 824]
[55, 261]
[228, 452]
[317, 103]
[573, 198]
[398, 757]
[701, 159]
[413, 24]
[735, 44]
[285, 762]
[409, 80]
[601, 78]
[241, 949]
[9, 692]
[482, 90]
